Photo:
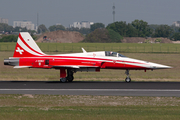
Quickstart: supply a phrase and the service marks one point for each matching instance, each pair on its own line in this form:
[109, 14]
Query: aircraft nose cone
[159, 66]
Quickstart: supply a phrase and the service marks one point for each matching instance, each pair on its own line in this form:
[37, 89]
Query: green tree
[143, 30]
[103, 36]
[97, 36]
[56, 27]
[131, 31]
[153, 26]
[60, 27]
[114, 36]
[5, 27]
[1, 28]
[119, 27]
[176, 36]
[42, 28]
[163, 31]
[17, 29]
[84, 31]
[9, 38]
[175, 29]
[97, 25]
[125, 30]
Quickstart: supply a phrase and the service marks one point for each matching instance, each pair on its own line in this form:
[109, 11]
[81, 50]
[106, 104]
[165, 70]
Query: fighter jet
[27, 54]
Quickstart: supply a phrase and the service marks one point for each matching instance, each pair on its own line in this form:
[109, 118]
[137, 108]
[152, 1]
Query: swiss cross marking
[94, 54]
[19, 50]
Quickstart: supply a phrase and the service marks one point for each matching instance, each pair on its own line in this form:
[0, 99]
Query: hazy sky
[68, 11]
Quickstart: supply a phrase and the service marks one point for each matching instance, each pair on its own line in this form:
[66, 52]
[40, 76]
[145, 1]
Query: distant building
[58, 23]
[24, 24]
[177, 23]
[83, 24]
[76, 25]
[2, 20]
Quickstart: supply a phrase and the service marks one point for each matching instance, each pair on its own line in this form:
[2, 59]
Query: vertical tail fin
[26, 46]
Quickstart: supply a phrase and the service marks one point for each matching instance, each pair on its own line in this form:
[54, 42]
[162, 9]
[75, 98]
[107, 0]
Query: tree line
[137, 28]
[140, 28]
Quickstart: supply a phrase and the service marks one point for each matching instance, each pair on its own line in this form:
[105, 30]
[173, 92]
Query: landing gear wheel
[63, 80]
[70, 78]
[128, 79]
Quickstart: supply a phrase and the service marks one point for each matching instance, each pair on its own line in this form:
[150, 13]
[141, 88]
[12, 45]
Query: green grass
[90, 113]
[118, 47]
[69, 107]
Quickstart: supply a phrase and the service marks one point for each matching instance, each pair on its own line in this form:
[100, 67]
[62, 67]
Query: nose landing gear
[128, 79]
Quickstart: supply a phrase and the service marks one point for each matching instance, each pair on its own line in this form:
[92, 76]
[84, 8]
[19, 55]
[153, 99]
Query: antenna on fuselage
[84, 51]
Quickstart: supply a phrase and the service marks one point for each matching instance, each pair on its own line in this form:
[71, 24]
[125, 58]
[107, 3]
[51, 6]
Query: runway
[91, 88]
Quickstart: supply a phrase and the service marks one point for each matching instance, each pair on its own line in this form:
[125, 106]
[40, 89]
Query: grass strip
[53, 107]
[117, 47]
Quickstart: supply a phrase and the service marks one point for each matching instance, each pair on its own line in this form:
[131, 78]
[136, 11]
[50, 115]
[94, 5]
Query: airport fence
[117, 47]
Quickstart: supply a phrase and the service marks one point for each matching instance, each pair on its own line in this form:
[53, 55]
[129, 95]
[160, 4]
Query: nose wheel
[128, 79]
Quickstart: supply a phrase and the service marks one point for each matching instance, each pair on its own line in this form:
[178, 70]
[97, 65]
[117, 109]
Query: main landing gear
[69, 77]
[63, 80]
[128, 79]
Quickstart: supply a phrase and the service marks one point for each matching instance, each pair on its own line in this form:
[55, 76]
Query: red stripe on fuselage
[89, 58]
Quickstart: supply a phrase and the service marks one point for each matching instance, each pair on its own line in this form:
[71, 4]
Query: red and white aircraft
[28, 55]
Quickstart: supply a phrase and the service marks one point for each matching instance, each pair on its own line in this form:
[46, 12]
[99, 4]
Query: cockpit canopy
[113, 54]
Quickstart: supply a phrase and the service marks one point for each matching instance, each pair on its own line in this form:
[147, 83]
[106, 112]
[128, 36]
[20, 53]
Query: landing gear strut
[63, 75]
[128, 79]
[70, 76]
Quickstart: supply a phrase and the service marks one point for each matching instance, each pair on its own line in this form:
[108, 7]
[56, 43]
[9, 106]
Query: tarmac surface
[91, 88]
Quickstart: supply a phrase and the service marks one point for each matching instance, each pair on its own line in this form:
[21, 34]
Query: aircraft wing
[62, 66]
[74, 66]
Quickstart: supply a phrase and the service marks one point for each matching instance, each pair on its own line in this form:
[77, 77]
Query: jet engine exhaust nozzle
[11, 62]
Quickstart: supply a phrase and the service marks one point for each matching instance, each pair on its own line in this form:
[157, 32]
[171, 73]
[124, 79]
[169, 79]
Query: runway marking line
[130, 90]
